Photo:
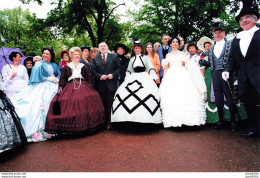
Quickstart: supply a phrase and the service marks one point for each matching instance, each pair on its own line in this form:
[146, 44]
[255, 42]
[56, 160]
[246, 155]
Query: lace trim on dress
[76, 72]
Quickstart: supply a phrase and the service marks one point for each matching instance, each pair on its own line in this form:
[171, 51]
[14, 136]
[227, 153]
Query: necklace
[75, 81]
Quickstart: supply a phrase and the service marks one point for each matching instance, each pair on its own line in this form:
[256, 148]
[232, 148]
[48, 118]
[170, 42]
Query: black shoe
[248, 134]
[233, 127]
[218, 125]
[109, 126]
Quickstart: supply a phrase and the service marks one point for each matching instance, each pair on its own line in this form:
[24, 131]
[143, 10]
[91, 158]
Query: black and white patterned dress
[11, 130]
[137, 99]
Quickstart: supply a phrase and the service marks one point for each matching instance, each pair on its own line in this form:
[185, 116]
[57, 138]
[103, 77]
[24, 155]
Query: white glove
[53, 79]
[204, 96]
[164, 63]
[225, 75]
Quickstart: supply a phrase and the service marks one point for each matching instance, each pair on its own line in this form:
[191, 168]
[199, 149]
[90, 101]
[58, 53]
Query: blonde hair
[73, 49]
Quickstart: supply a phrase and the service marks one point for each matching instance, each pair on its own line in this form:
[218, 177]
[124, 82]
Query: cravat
[104, 57]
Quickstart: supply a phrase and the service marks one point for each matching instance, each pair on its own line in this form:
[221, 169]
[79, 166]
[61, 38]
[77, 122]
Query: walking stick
[234, 102]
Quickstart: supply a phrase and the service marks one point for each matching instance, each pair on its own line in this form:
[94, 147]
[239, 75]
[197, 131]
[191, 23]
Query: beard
[103, 51]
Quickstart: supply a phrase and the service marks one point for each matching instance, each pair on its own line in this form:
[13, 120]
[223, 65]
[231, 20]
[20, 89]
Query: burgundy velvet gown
[81, 106]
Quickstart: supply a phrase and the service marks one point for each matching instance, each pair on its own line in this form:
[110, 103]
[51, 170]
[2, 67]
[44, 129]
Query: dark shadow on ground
[76, 135]
[12, 154]
[136, 128]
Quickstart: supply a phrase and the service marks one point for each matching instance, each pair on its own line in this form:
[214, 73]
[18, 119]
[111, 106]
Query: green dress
[211, 109]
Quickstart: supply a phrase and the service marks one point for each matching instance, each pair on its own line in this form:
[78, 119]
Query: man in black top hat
[217, 60]
[245, 59]
[121, 50]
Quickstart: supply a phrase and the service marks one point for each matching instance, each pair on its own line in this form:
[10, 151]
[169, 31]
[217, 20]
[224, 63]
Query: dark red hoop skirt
[81, 110]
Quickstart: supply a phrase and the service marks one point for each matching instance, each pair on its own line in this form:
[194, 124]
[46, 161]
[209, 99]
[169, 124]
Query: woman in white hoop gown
[137, 99]
[182, 90]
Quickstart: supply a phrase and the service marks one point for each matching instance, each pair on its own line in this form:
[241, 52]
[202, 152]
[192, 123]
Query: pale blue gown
[32, 103]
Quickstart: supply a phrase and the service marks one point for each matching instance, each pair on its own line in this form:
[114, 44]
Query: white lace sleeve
[165, 62]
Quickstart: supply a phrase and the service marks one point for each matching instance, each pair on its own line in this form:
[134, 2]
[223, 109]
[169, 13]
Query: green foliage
[92, 17]
[190, 19]
[19, 30]
[147, 33]
[89, 22]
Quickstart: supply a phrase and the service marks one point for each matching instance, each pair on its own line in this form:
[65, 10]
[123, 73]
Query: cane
[234, 102]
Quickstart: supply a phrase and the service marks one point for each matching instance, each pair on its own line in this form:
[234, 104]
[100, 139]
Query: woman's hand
[53, 79]
[59, 91]
[13, 75]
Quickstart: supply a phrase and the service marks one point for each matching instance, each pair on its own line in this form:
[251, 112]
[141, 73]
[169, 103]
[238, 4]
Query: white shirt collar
[221, 41]
[245, 39]
[105, 55]
[245, 33]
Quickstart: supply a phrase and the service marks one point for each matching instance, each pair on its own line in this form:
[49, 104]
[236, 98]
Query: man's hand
[225, 75]
[110, 76]
[103, 77]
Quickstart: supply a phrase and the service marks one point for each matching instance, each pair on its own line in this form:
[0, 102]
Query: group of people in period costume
[166, 84]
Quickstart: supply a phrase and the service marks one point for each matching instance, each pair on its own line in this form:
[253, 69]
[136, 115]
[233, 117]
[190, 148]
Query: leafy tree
[17, 31]
[190, 19]
[93, 16]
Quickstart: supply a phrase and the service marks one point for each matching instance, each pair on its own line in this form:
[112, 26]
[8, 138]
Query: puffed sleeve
[64, 76]
[39, 73]
[6, 73]
[130, 69]
[149, 68]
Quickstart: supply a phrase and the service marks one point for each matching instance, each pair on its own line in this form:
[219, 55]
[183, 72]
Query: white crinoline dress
[137, 99]
[181, 92]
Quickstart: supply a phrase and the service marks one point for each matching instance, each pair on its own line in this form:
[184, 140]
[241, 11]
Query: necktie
[104, 57]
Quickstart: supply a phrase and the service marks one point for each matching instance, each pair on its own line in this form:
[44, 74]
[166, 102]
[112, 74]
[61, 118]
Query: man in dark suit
[106, 68]
[217, 60]
[245, 59]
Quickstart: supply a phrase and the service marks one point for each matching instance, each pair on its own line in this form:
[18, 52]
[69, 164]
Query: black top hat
[31, 54]
[218, 26]
[85, 47]
[248, 8]
[121, 45]
[137, 42]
